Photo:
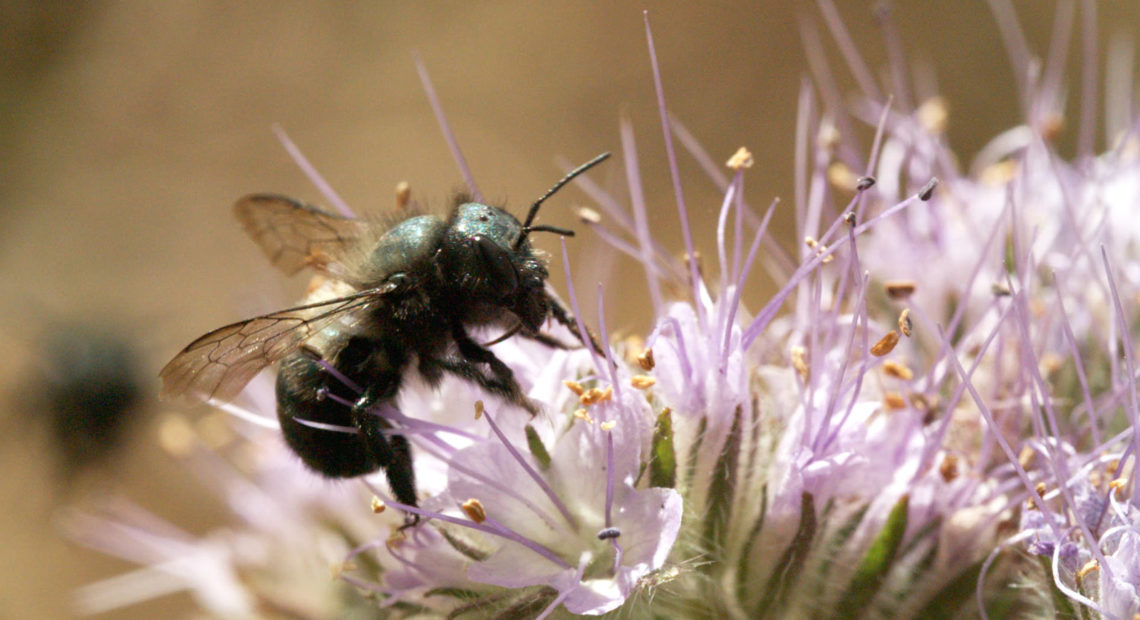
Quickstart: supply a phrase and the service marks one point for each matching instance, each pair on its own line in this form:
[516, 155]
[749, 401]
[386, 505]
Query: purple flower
[938, 401]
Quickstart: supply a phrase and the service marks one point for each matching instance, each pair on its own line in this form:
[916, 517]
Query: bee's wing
[295, 235]
[219, 364]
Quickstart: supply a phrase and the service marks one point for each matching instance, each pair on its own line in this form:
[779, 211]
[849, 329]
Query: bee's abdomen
[334, 454]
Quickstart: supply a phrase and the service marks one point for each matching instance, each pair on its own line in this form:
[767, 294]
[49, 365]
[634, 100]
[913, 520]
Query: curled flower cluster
[941, 391]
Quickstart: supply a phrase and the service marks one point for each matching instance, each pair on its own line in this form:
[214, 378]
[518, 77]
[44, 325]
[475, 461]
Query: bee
[90, 387]
[395, 298]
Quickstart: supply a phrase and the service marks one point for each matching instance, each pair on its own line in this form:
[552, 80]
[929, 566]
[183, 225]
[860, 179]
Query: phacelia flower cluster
[933, 416]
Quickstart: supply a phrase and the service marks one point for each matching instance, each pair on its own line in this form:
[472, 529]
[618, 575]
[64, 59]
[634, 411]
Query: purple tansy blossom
[937, 402]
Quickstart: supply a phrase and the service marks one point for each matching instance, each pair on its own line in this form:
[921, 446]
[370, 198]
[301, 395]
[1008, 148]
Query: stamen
[336, 428]
[583, 562]
[863, 184]
[645, 359]
[642, 382]
[474, 510]
[499, 531]
[610, 365]
[899, 289]
[339, 376]
[546, 489]
[640, 219]
[894, 401]
[949, 467]
[741, 159]
[608, 533]
[904, 322]
[576, 309]
[403, 195]
[609, 477]
[734, 305]
[927, 190]
[674, 172]
[898, 370]
[886, 344]
[445, 128]
[310, 171]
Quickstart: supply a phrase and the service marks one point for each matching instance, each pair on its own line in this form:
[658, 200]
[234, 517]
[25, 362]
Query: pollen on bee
[904, 322]
[642, 382]
[898, 370]
[474, 510]
[886, 344]
[608, 425]
[575, 387]
[378, 505]
[741, 159]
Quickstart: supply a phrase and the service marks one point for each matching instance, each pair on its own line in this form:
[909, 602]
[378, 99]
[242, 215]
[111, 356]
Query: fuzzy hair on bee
[397, 298]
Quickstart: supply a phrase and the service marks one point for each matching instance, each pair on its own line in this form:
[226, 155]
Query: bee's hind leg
[390, 451]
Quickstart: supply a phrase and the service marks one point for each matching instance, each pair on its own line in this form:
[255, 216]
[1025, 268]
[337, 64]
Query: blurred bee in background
[87, 392]
[392, 297]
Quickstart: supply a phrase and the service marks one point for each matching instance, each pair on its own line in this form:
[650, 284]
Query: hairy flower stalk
[937, 403]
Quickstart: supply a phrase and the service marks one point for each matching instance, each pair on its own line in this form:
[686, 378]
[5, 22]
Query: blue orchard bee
[395, 298]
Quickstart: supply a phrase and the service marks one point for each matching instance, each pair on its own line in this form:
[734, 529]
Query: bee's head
[487, 256]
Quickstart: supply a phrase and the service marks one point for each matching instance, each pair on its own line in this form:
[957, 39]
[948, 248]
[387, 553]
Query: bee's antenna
[527, 228]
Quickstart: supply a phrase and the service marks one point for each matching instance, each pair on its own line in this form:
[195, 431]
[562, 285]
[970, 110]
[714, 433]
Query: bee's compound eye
[498, 262]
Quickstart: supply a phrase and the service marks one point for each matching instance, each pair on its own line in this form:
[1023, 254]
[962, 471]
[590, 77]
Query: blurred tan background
[128, 129]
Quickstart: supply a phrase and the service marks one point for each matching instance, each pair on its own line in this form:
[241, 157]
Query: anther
[474, 510]
[642, 382]
[899, 289]
[927, 190]
[741, 159]
[886, 344]
[608, 533]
